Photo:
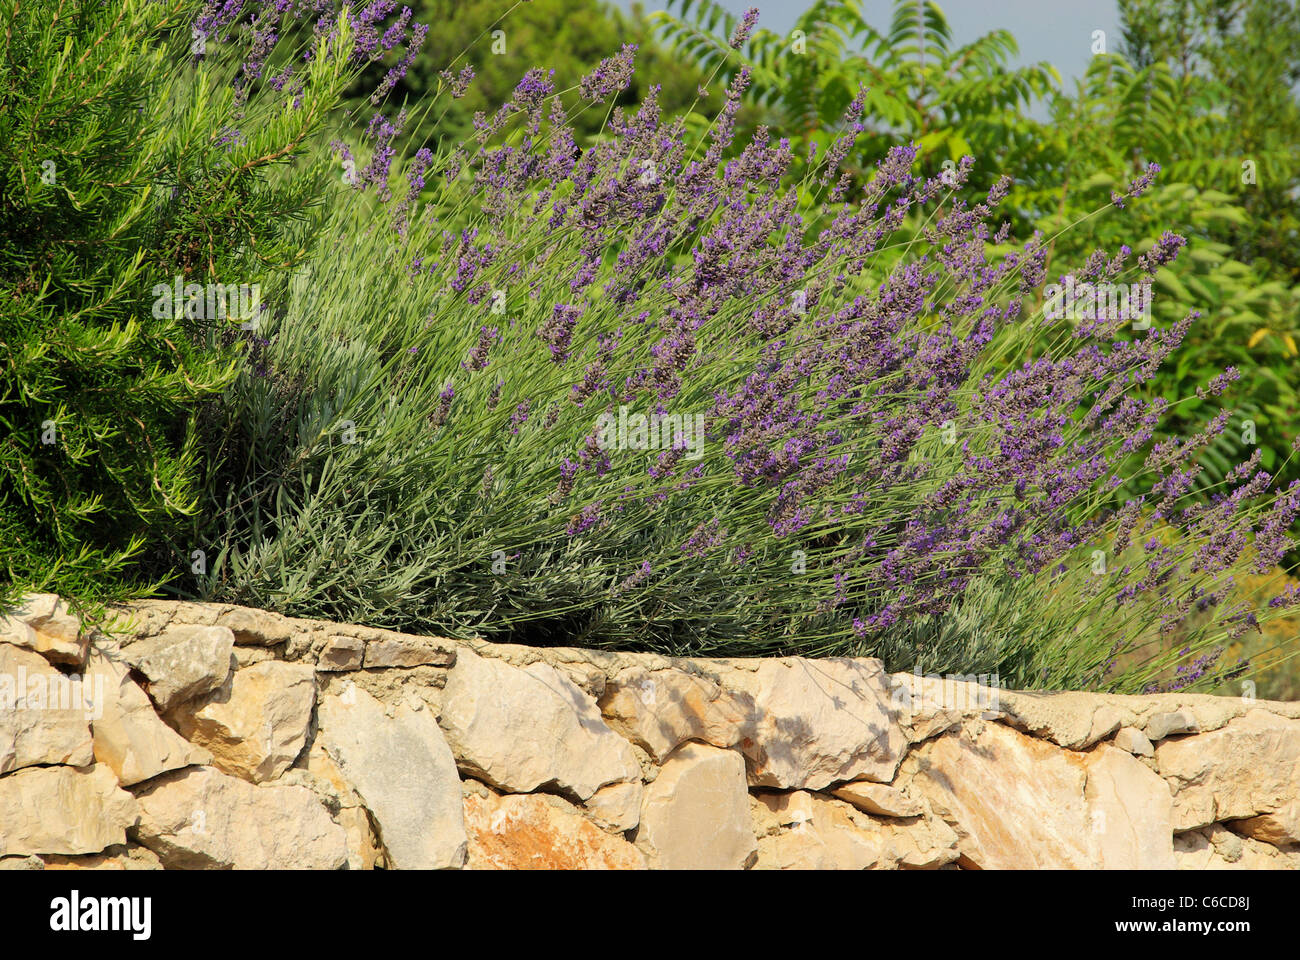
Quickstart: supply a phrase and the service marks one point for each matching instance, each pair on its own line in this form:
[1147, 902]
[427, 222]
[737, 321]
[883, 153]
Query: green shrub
[127, 162]
[423, 453]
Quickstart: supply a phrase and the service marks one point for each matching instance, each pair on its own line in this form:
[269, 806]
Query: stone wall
[207, 736]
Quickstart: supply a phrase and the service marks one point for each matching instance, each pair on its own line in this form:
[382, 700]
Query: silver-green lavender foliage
[455, 421]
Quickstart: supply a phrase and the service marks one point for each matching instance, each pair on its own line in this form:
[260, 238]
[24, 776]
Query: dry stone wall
[196, 736]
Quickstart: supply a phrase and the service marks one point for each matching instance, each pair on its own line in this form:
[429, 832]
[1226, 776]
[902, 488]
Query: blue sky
[1051, 30]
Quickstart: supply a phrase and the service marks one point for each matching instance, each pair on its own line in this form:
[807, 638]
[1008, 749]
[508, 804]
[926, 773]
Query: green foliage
[121, 170]
[1120, 119]
[952, 100]
[501, 41]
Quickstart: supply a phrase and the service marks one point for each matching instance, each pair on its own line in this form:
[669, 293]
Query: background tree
[567, 36]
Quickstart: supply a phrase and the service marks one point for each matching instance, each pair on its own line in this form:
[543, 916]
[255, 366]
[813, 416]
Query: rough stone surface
[822, 721]
[403, 651]
[256, 627]
[404, 772]
[616, 807]
[30, 732]
[1217, 848]
[1135, 742]
[1017, 802]
[879, 799]
[341, 653]
[322, 777]
[1281, 827]
[1167, 724]
[42, 622]
[200, 818]
[128, 857]
[183, 662]
[1130, 812]
[925, 706]
[660, 709]
[67, 810]
[800, 723]
[129, 737]
[696, 813]
[256, 724]
[1247, 768]
[539, 832]
[523, 729]
[807, 831]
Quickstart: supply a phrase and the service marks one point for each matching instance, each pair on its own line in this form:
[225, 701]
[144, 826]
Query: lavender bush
[646, 393]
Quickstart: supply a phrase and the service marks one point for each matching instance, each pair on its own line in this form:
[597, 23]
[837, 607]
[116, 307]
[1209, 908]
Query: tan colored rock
[813, 834]
[921, 843]
[129, 857]
[1163, 725]
[256, 628]
[1217, 848]
[341, 653]
[22, 863]
[42, 622]
[540, 832]
[322, 777]
[68, 810]
[406, 651]
[660, 709]
[1130, 812]
[199, 818]
[1105, 721]
[521, 729]
[767, 711]
[1015, 802]
[403, 770]
[1281, 827]
[30, 731]
[1247, 768]
[820, 722]
[805, 831]
[1135, 742]
[256, 724]
[879, 799]
[926, 705]
[616, 807]
[695, 816]
[128, 736]
[183, 662]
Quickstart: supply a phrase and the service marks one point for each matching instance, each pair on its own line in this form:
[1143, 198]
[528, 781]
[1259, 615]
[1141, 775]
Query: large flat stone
[1017, 802]
[695, 815]
[66, 810]
[520, 729]
[405, 773]
[129, 737]
[34, 726]
[200, 818]
[183, 662]
[256, 724]
[1247, 768]
[800, 723]
[540, 832]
